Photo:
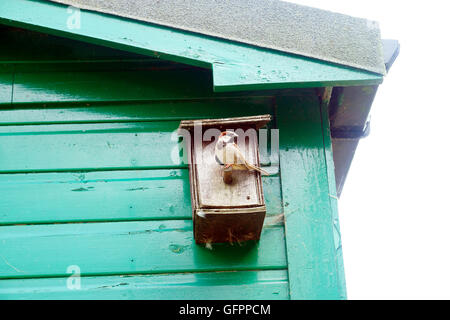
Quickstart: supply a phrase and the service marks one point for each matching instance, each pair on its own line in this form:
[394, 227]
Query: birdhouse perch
[228, 208]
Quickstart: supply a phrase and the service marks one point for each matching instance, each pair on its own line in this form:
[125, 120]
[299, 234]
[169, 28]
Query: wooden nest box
[224, 212]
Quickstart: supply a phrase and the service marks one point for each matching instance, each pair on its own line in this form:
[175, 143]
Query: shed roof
[235, 65]
[272, 24]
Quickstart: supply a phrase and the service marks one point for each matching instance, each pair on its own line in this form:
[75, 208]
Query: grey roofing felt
[272, 24]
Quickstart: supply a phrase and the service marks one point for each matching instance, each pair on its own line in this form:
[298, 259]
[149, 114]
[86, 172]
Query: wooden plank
[133, 111]
[22, 46]
[311, 251]
[235, 66]
[6, 80]
[254, 285]
[105, 196]
[94, 196]
[256, 122]
[290, 72]
[105, 65]
[87, 147]
[333, 195]
[79, 86]
[128, 248]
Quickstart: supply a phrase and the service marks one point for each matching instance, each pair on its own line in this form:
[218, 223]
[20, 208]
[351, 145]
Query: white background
[394, 210]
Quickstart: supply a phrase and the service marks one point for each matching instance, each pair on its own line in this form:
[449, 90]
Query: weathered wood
[72, 85]
[105, 196]
[314, 272]
[325, 97]
[53, 83]
[132, 111]
[224, 209]
[228, 175]
[87, 147]
[257, 285]
[256, 122]
[212, 192]
[228, 225]
[128, 248]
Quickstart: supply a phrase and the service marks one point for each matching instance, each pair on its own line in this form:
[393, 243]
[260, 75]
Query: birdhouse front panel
[244, 191]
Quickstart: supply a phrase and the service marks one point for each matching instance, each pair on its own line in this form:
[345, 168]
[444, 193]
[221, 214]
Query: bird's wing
[239, 155]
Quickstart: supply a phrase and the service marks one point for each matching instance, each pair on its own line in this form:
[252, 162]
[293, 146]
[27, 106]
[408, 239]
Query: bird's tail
[252, 167]
[249, 166]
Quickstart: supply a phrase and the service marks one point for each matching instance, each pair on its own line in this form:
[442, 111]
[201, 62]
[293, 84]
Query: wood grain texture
[128, 248]
[224, 211]
[132, 112]
[113, 85]
[105, 196]
[256, 121]
[82, 147]
[324, 106]
[212, 192]
[89, 146]
[314, 272]
[254, 285]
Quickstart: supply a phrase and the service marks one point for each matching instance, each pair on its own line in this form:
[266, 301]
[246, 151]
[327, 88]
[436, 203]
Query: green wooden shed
[91, 92]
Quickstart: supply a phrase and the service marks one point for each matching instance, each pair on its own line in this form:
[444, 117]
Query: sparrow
[227, 154]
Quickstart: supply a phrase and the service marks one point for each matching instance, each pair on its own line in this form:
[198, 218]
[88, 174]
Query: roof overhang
[278, 25]
[235, 66]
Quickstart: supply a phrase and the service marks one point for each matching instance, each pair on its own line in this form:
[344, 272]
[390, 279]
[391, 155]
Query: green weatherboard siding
[87, 179]
[156, 197]
[87, 147]
[165, 246]
[264, 285]
[66, 85]
[103, 162]
[133, 112]
[125, 195]
[235, 66]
